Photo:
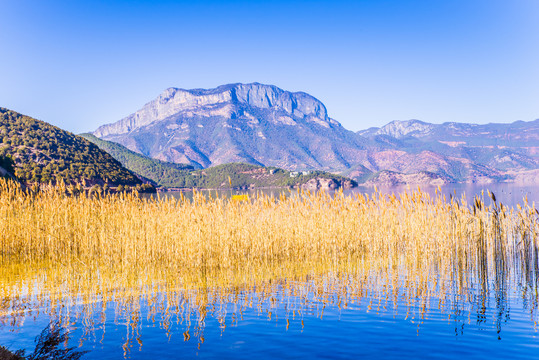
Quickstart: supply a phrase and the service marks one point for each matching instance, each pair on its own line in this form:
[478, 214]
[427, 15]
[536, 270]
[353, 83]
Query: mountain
[253, 123]
[512, 134]
[265, 125]
[399, 129]
[37, 152]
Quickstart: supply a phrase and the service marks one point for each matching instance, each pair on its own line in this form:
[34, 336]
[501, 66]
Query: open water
[506, 193]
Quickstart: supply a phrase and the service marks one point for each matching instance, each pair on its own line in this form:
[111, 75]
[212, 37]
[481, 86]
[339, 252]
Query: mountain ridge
[256, 94]
[409, 128]
[266, 125]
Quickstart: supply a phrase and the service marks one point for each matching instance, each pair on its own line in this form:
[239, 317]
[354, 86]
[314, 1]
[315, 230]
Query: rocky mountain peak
[401, 128]
[268, 96]
[233, 96]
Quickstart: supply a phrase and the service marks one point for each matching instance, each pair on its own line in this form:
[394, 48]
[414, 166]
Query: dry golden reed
[126, 230]
[60, 252]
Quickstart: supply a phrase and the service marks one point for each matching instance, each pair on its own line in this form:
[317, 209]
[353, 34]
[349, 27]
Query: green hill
[42, 153]
[161, 173]
[241, 175]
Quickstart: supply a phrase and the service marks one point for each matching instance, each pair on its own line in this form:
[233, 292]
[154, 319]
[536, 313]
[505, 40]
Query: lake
[329, 316]
[507, 193]
[389, 307]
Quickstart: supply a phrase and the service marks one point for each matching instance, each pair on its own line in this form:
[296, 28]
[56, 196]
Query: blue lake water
[507, 193]
[318, 323]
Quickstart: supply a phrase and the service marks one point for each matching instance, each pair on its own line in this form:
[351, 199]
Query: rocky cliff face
[227, 101]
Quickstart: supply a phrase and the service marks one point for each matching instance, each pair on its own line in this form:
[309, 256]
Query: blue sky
[81, 64]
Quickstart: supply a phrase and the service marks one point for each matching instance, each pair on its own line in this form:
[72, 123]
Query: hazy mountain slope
[392, 178]
[451, 168]
[253, 123]
[42, 153]
[159, 172]
[500, 147]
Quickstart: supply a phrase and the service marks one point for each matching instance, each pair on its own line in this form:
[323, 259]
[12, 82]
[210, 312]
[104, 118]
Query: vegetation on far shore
[241, 175]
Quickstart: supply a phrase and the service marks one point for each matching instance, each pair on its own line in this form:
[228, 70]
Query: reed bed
[190, 258]
[209, 233]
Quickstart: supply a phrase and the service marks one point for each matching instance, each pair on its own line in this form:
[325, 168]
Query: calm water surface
[507, 193]
[332, 314]
[332, 327]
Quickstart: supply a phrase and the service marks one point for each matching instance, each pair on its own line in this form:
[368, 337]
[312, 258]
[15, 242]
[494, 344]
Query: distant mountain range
[463, 152]
[264, 125]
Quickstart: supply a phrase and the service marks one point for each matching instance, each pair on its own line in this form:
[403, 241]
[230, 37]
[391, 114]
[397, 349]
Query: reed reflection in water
[290, 294]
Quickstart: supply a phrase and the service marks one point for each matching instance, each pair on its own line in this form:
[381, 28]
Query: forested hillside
[161, 173]
[42, 153]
